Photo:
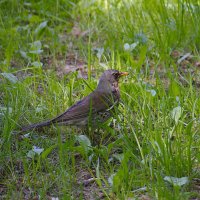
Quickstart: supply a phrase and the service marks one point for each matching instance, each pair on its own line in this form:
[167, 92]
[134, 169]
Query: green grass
[155, 136]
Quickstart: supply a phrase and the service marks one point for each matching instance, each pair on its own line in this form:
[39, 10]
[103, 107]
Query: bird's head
[110, 78]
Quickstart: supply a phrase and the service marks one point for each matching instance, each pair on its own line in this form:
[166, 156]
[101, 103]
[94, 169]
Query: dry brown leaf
[77, 32]
[175, 54]
[197, 64]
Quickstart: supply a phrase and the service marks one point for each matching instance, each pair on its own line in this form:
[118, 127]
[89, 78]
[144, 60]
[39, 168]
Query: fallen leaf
[77, 32]
[175, 54]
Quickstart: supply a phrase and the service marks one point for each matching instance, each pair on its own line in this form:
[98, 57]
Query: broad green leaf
[38, 51]
[177, 181]
[99, 52]
[176, 113]
[35, 151]
[24, 55]
[41, 27]
[133, 45]
[31, 154]
[38, 150]
[40, 108]
[36, 47]
[5, 109]
[141, 38]
[110, 179]
[130, 47]
[37, 64]
[126, 47]
[84, 140]
[153, 92]
[10, 77]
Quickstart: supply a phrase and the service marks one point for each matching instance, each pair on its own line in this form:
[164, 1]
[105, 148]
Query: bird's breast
[115, 91]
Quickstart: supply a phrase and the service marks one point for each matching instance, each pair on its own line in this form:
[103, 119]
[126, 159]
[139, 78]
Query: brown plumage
[93, 109]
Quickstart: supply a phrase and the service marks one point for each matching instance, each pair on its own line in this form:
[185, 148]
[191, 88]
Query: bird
[92, 110]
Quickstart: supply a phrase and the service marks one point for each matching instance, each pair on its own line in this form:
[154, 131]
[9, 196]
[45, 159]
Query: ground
[52, 54]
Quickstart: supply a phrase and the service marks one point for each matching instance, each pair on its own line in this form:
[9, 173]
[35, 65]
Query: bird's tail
[36, 126]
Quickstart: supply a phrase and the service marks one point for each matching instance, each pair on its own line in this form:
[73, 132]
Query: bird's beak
[123, 74]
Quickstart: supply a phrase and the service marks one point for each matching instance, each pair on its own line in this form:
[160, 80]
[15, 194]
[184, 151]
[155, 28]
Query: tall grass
[150, 149]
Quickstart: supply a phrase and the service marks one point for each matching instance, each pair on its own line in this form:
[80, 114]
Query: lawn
[52, 54]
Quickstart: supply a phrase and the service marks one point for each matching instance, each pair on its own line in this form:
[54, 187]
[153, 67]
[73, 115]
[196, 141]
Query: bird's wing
[93, 103]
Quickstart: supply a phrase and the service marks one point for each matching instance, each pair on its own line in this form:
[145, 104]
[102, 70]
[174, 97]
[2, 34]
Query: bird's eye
[116, 75]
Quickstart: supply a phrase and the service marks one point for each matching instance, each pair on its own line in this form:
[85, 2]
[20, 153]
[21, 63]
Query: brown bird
[93, 109]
